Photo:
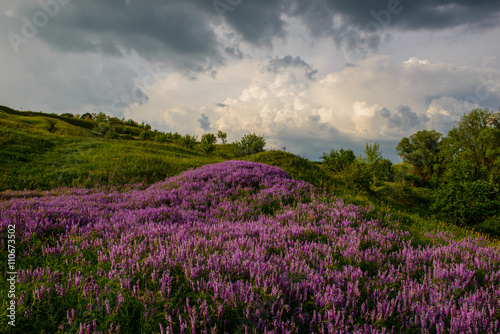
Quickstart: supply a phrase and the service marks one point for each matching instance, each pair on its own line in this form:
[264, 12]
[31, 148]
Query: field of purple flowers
[236, 247]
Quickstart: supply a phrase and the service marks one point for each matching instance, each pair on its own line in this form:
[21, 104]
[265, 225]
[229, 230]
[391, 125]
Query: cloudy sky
[309, 75]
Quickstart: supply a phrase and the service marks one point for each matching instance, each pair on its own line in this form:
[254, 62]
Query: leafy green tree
[373, 154]
[421, 150]
[468, 191]
[250, 144]
[464, 199]
[188, 141]
[380, 167]
[131, 122]
[357, 175]
[100, 117]
[87, 116]
[222, 136]
[160, 137]
[145, 135]
[337, 161]
[145, 126]
[474, 140]
[208, 142]
[106, 130]
[68, 115]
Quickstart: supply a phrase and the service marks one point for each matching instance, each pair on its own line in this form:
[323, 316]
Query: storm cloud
[277, 64]
[182, 32]
[309, 74]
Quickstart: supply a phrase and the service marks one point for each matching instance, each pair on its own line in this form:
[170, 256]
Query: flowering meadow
[236, 247]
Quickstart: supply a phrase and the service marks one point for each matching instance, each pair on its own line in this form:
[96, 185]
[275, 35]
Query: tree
[421, 151]
[145, 126]
[145, 135]
[100, 117]
[373, 154]
[188, 141]
[207, 142]
[468, 191]
[104, 129]
[338, 160]
[250, 144]
[87, 116]
[222, 136]
[474, 140]
[381, 168]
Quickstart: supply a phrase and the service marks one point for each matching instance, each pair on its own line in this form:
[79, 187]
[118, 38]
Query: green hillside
[40, 151]
[74, 156]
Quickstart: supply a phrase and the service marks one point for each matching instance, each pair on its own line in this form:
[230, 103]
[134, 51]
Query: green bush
[250, 144]
[112, 134]
[337, 161]
[358, 175]
[188, 141]
[222, 136]
[145, 135]
[102, 129]
[466, 202]
[208, 143]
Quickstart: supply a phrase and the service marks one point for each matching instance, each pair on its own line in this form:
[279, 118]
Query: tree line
[461, 168]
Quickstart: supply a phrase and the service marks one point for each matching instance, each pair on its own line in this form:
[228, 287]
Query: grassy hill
[35, 158]
[73, 156]
[232, 246]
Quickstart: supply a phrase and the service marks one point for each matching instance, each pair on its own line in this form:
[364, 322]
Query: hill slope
[33, 158]
[234, 247]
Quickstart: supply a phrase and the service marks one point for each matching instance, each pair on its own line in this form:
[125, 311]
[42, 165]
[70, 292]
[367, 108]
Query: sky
[308, 75]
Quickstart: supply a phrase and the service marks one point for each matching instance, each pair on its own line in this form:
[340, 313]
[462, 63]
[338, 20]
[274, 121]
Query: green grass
[73, 156]
[32, 158]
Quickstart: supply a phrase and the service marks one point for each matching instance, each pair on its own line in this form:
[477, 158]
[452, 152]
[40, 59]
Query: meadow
[131, 236]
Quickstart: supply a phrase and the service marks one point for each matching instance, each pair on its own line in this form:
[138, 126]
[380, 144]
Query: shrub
[188, 141]
[112, 134]
[250, 144]
[338, 160]
[87, 116]
[466, 202]
[160, 138]
[145, 135]
[222, 136]
[207, 142]
[358, 175]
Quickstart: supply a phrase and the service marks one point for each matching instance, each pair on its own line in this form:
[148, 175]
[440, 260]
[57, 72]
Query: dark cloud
[182, 34]
[402, 119]
[363, 24]
[277, 64]
[205, 122]
[257, 21]
[177, 32]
